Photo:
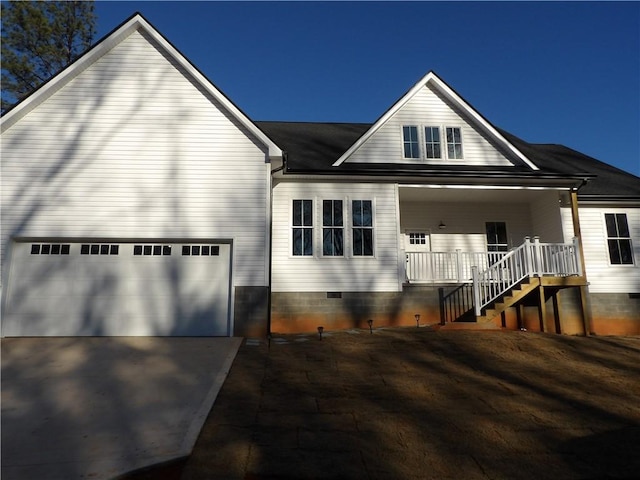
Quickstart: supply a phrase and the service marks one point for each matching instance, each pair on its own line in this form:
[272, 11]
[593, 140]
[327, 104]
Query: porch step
[510, 298]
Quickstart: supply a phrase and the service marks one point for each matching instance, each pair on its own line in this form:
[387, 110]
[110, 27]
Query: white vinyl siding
[133, 148]
[604, 277]
[465, 219]
[348, 273]
[428, 108]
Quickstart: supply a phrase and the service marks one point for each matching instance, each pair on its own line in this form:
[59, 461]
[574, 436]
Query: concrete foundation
[251, 311]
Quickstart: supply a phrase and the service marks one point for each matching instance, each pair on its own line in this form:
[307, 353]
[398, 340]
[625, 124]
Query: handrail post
[460, 266]
[476, 290]
[527, 256]
[539, 264]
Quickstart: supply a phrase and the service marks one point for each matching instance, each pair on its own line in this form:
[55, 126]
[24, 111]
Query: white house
[138, 200]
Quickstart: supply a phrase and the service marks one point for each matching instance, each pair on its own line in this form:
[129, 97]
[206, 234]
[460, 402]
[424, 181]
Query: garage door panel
[125, 291]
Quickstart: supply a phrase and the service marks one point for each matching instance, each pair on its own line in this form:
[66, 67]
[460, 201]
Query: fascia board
[432, 78]
[383, 119]
[473, 113]
[67, 74]
[274, 150]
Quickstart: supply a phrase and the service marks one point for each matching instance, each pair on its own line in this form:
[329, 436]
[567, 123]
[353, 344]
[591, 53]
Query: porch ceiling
[421, 193]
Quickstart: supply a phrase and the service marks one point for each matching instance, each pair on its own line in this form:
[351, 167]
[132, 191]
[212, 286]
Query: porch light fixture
[320, 330]
[417, 315]
[370, 322]
[442, 225]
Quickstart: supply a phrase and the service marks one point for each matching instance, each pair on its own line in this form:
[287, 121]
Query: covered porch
[496, 248]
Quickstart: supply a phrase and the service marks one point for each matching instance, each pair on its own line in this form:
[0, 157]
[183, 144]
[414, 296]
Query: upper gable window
[454, 143]
[410, 141]
[426, 142]
[432, 142]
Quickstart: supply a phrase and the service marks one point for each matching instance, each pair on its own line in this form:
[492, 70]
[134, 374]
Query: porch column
[584, 290]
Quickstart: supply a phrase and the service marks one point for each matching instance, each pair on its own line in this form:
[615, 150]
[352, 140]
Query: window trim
[422, 143]
[293, 227]
[344, 202]
[417, 142]
[352, 227]
[446, 141]
[426, 144]
[608, 238]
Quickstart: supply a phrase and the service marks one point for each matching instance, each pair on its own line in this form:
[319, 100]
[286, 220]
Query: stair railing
[456, 303]
[528, 260]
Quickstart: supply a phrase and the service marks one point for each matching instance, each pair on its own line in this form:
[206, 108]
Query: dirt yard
[417, 404]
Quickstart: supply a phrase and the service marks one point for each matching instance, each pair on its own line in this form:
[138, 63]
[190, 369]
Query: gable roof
[452, 96]
[313, 148]
[134, 23]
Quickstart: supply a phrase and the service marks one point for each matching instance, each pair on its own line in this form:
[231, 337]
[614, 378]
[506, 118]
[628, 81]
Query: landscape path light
[417, 315]
[370, 322]
[320, 330]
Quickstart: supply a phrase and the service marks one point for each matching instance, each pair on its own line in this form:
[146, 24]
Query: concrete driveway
[100, 407]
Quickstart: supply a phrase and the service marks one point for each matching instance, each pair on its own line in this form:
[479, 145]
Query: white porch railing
[443, 267]
[528, 260]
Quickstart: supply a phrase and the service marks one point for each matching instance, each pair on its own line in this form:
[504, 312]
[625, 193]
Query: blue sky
[548, 72]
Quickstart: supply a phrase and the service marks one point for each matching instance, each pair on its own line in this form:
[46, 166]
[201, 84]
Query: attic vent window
[425, 142]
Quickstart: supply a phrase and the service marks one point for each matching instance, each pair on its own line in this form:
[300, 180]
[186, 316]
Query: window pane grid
[410, 142]
[302, 227]
[454, 143]
[618, 239]
[432, 142]
[332, 232]
[362, 222]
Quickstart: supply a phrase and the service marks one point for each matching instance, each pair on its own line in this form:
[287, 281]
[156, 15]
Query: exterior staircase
[510, 298]
[524, 276]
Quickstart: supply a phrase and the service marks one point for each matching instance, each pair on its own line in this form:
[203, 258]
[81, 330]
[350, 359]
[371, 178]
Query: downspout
[274, 171]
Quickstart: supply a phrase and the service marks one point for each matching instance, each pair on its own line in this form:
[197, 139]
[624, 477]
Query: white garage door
[118, 289]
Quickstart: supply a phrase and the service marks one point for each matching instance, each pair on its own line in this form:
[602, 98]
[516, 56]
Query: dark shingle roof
[314, 147]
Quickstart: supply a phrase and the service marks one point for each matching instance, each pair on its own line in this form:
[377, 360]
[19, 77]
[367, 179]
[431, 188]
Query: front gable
[432, 125]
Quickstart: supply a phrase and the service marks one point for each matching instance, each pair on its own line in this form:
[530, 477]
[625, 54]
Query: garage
[118, 288]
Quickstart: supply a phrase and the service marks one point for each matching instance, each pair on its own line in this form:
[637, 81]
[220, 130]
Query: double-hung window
[432, 142]
[332, 228]
[362, 227]
[454, 143]
[411, 145]
[302, 227]
[618, 239]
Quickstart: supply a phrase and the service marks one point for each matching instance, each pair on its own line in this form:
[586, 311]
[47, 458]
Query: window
[200, 250]
[417, 238]
[411, 147]
[432, 142]
[497, 237]
[50, 249]
[362, 223]
[454, 143]
[302, 227]
[618, 239]
[332, 231]
[152, 250]
[99, 249]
